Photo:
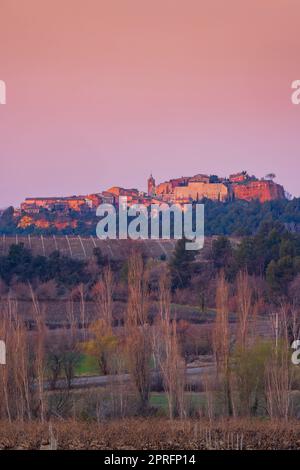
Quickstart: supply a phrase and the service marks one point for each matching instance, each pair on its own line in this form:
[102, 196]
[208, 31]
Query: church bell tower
[151, 186]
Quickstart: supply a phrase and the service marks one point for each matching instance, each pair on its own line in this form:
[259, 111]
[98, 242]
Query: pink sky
[101, 93]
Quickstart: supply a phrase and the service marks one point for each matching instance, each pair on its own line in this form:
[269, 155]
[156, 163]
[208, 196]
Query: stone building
[239, 186]
[195, 191]
[76, 203]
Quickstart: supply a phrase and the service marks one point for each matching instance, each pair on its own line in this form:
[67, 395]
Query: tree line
[238, 218]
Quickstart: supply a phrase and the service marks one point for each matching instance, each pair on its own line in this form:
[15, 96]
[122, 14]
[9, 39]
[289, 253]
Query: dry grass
[155, 434]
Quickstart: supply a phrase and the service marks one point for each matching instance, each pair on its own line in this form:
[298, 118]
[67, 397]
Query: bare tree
[79, 292]
[102, 340]
[167, 352]
[104, 298]
[244, 304]
[39, 353]
[208, 386]
[14, 376]
[221, 337]
[278, 374]
[138, 342]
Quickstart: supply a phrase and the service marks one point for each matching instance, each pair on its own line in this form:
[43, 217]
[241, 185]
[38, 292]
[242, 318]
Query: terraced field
[82, 248]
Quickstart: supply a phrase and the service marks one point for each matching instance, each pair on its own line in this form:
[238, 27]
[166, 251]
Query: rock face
[261, 190]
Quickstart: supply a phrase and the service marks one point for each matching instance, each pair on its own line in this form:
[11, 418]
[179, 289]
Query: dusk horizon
[114, 91]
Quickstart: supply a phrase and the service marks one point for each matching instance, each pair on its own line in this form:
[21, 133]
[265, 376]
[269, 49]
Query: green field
[87, 365]
[193, 400]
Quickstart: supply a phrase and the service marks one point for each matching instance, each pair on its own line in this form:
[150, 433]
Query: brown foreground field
[152, 434]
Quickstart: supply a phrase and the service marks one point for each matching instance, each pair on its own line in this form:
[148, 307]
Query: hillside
[233, 218]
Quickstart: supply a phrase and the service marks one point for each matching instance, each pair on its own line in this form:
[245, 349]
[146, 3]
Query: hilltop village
[61, 213]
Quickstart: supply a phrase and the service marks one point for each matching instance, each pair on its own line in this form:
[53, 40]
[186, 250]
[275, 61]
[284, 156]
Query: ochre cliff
[261, 190]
